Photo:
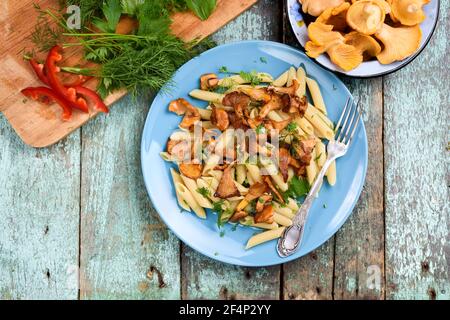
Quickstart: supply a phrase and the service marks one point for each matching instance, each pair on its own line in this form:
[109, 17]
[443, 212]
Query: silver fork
[292, 236]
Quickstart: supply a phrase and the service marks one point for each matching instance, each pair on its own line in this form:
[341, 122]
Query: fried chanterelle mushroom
[208, 81]
[227, 188]
[190, 170]
[316, 7]
[399, 43]
[183, 107]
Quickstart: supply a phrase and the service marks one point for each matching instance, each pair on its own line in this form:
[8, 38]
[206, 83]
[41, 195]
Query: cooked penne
[264, 237]
[186, 195]
[241, 173]
[181, 135]
[281, 80]
[167, 156]
[319, 113]
[311, 169]
[210, 163]
[292, 74]
[331, 174]
[254, 172]
[301, 78]
[284, 211]
[322, 128]
[202, 183]
[237, 79]
[292, 204]
[204, 113]
[177, 179]
[207, 95]
[282, 220]
[194, 189]
[242, 190]
[305, 125]
[321, 154]
[316, 95]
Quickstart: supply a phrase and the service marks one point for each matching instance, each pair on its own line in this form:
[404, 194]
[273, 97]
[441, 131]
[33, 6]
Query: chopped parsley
[291, 127]
[263, 59]
[261, 200]
[222, 233]
[318, 157]
[221, 212]
[204, 192]
[260, 129]
[251, 77]
[234, 227]
[223, 69]
[298, 187]
[324, 205]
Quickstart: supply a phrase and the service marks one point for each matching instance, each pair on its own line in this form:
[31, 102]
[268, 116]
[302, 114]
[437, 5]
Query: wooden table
[76, 221]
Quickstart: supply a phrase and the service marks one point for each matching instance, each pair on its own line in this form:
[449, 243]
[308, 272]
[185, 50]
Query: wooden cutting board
[40, 125]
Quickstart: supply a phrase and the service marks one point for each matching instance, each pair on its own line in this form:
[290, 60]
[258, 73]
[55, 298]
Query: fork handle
[292, 236]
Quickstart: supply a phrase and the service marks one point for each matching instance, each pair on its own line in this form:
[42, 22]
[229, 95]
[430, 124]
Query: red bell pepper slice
[88, 93]
[52, 69]
[39, 70]
[46, 95]
[81, 79]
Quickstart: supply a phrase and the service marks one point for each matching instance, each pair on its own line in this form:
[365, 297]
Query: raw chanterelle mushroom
[408, 12]
[335, 17]
[368, 46]
[366, 16]
[323, 39]
[399, 43]
[316, 7]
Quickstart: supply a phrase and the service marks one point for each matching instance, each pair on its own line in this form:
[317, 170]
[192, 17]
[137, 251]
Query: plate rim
[383, 73]
[225, 259]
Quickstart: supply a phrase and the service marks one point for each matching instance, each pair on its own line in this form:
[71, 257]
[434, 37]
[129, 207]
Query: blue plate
[330, 210]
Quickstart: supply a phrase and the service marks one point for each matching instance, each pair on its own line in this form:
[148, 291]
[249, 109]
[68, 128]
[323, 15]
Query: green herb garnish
[291, 127]
[260, 129]
[204, 192]
[263, 59]
[298, 187]
[202, 8]
[251, 77]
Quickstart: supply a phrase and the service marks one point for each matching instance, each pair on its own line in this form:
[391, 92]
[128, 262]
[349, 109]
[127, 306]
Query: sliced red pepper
[39, 70]
[52, 69]
[88, 93]
[46, 95]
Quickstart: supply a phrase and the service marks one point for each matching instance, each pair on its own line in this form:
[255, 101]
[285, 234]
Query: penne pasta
[241, 173]
[254, 172]
[242, 190]
[191, 184]
[210, 163]
[177, 179]
[311, 169]
[282, 220]
[186, 195]
[323, 117]
[305, 125]
[323, 129]
[321, 154]
[264, 237]
[204, 113]
[237, 80]
[331, 174]
[316, 95]
[207, 95]
[202, 183]
[292, 204]
[301, 78]
[292, 74]
[281, 80]
[284, 211]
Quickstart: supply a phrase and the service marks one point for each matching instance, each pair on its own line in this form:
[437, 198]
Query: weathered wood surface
[416, 136]
[77, 222]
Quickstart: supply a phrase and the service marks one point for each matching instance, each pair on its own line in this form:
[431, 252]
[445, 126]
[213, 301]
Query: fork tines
[344, 133]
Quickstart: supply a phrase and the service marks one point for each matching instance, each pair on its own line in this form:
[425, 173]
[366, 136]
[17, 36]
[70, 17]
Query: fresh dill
[204, 192]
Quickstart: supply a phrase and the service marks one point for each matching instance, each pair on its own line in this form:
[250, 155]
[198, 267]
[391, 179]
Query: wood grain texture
[359, 248]
[416, 135]
[39, 213]
[41, 125]
[310, 277]
[204, 278]
[126, 251]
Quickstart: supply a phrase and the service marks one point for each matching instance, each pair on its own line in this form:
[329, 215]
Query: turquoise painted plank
[39, 214]
[202, 277]
[416, 139]
[359, 253]
[126, 250]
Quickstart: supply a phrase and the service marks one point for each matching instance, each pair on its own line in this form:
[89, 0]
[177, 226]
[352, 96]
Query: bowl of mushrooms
[363, 38]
